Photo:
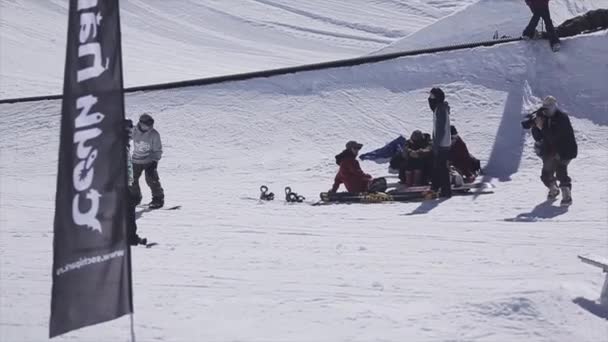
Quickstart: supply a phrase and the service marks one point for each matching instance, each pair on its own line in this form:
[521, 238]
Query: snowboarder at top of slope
[555, 138]
[467, 165]
[351, 175]
[540, 9]
[442, 142]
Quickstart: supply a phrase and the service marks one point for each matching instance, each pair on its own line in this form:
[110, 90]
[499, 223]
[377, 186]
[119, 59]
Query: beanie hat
[146, 119]
[438, 94]
[549, 102]
[353, 144]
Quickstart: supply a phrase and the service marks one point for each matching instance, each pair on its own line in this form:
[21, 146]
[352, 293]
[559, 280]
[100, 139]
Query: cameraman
[556, 145]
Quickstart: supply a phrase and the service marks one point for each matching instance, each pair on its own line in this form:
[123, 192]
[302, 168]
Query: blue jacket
[384, 154]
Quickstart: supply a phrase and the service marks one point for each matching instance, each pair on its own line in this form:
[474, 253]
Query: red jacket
[461, 159]
[350, 174]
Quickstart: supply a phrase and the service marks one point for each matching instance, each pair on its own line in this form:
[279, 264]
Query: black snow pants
[555, 168]
[538, 12]
[152, 179]
[441, 172]
[132, 237]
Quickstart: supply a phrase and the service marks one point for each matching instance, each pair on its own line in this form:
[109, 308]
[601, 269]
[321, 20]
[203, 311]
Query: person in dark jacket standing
[132, 236]
[555, 138]
[442, 142]
[147, 152]
[350, 173]
[540, 9]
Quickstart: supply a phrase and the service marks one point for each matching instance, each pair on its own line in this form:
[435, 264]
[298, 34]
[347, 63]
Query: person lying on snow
[461, 160]
[351, 175]
[417, 160]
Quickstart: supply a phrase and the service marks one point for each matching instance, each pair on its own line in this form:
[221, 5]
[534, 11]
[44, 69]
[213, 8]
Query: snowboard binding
[292, 197]
[265, 195]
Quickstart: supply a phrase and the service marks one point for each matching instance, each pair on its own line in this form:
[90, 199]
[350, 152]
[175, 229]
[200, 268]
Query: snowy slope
[499, 267]
[479, 22]
[184, 39]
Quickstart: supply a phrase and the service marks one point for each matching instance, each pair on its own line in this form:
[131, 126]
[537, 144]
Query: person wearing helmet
[557, 146]
[147, 152]
[351, 175]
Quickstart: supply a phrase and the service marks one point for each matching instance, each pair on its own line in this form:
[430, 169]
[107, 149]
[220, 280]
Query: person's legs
[446, 186]
[135, 191]
[546, 15]
[531, 28]
[561, 171]
[153, 181]
[547, 175]
[435, 176]
[565, 183]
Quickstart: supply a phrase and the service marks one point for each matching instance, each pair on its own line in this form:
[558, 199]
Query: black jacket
[557, 136]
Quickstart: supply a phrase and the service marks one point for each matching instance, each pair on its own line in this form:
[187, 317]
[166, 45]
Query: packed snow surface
[481, 20]
[498, 267]
[174, 40]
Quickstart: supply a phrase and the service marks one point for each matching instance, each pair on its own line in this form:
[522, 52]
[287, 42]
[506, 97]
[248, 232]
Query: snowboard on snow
[147, 206]
[412, 194]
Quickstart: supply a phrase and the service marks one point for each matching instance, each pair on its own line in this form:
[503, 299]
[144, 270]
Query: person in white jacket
[147, 152]
[442, 142]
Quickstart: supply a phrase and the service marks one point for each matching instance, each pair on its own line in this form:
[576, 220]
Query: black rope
[289, 70]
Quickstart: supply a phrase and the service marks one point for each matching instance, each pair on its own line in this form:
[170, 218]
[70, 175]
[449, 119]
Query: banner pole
[132, 327]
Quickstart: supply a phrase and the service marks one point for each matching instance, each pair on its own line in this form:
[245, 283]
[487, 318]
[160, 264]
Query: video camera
[530, 119]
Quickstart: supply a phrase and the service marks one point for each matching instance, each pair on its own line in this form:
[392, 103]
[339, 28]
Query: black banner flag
[91, 257]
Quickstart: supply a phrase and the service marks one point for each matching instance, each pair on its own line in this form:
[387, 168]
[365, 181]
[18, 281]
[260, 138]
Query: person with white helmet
[147, 151]
[555, 139]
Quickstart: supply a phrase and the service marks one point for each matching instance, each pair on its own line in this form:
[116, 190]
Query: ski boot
[553, 192]
[566, 196]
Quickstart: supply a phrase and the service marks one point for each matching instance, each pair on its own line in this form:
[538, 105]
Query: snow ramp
[498, 267]
[481, 20]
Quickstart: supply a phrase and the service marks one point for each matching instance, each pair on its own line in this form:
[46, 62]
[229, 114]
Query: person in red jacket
[540, 9]
[460, 158]
[350, 173]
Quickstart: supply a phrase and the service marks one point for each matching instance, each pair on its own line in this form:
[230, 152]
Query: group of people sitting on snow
[418, 160]
[414, 161]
